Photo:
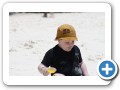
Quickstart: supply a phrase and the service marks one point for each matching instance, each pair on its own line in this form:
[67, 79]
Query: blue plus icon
[107, 69]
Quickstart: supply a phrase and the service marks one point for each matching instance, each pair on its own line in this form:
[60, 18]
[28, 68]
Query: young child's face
[66, 45]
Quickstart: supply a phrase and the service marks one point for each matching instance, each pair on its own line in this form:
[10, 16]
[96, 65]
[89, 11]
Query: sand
[31, 35]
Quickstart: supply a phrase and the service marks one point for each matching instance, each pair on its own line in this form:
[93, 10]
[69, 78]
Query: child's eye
[67, 42]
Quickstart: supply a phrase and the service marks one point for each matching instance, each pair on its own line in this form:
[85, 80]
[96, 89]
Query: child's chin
[68, 50]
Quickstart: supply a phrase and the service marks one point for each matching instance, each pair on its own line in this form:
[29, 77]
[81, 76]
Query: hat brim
[67, 38]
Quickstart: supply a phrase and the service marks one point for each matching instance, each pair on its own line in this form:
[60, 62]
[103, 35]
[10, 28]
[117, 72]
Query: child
[65, 57]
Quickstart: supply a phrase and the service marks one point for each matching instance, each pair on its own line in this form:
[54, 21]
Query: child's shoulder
[75, 46]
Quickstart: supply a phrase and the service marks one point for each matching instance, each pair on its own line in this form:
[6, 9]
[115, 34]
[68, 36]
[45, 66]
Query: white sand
[31, 36]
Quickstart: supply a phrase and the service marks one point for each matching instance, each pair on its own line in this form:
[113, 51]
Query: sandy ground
[31, 35]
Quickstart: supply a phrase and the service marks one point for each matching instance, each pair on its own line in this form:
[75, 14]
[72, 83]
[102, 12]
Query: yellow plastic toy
[51, 70]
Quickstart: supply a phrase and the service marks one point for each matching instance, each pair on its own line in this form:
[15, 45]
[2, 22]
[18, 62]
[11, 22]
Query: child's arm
[43, 69]
[84, 69]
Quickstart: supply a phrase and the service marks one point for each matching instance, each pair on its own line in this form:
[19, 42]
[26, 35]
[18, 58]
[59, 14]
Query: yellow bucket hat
[66, 32]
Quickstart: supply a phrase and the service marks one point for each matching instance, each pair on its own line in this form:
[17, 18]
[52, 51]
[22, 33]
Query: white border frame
[51, 7]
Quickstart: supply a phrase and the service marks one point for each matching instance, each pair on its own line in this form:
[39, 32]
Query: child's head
[66, 36]
[66, 45]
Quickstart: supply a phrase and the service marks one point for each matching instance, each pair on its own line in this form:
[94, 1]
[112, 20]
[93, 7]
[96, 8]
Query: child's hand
[58, 74]
[45, 71]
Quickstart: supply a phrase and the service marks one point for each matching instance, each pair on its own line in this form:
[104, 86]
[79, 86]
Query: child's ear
[59, 40]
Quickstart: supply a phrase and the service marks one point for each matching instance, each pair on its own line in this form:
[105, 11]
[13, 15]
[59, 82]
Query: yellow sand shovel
[51, 70]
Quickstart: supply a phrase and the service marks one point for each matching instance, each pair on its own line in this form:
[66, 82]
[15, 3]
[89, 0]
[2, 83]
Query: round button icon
[107, 69]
